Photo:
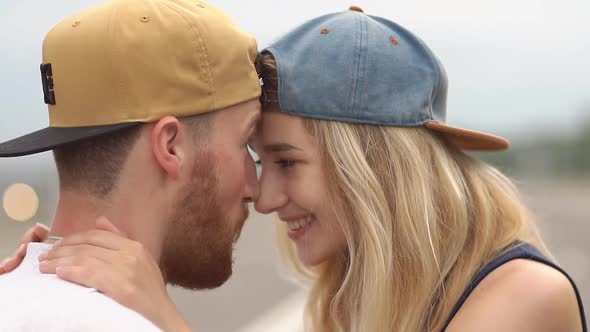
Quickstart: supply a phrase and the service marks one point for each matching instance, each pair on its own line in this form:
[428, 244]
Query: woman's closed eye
[282, 163]
[285, 163]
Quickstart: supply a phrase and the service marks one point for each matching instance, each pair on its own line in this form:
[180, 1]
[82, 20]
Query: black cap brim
[54, 137]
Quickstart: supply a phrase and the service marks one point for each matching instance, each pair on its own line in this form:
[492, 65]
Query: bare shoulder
[521, 295]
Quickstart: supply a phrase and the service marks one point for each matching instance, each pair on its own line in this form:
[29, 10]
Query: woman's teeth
[297, 224]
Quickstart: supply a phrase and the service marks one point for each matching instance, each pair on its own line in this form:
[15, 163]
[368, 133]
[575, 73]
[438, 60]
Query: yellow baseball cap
[127, 62]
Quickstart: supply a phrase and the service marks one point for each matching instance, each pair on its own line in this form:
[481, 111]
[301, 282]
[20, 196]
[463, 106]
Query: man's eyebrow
[279, 147]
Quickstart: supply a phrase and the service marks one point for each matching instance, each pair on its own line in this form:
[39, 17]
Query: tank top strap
[518, 250]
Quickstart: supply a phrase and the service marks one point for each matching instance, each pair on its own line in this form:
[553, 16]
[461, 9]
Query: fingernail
[43, 264]
[58, 243]
[59, 269]
[43, 257]
[21, 247]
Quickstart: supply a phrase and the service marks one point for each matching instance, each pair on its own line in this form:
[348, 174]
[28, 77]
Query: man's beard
[197, 251]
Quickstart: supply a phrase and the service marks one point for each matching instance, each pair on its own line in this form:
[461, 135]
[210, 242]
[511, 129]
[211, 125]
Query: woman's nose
[271, 195]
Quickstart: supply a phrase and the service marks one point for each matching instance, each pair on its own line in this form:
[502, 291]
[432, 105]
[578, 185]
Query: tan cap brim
[468, 139]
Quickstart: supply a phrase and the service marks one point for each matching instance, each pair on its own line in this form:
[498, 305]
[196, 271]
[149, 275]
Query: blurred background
[517, 69]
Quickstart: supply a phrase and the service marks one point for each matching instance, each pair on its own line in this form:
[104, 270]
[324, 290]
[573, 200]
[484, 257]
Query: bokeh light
[20, 202]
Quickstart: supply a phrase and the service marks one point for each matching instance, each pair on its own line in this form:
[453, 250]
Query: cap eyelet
[393, 40]
[75, 24]
[144, 19]
[325, 31]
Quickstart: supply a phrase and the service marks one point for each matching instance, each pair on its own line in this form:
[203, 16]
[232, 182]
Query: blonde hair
[420, 216]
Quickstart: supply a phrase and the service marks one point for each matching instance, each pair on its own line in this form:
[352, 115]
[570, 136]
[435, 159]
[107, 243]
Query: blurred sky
[516, 68]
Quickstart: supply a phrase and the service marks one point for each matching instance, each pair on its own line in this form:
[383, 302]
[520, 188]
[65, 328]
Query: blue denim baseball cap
[358, 68]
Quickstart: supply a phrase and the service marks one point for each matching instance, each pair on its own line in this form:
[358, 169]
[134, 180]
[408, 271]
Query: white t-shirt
[34, 302]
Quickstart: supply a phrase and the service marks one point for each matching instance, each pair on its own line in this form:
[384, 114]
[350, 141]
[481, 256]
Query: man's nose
[252, 185]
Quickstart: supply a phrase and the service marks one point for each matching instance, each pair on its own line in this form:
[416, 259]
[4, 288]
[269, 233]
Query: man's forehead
[254, 117]
[238, 123]
[240, 114]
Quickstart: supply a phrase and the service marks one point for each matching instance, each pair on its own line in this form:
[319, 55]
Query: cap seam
[354, 78]
[362, 65]
[437, 86]
[201, 46]
[430, 58]
[115, 39]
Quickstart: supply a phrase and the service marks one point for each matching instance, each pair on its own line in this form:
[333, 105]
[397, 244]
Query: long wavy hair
[420, 217]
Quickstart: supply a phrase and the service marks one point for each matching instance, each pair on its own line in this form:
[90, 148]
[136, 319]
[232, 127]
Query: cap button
[356, 9]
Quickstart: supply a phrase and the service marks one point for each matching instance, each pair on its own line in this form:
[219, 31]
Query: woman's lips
[298, 227]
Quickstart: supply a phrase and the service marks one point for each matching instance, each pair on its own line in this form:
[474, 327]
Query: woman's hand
[120, 268]
[37, 233]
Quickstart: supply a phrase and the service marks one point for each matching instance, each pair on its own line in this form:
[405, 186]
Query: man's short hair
[94, 165]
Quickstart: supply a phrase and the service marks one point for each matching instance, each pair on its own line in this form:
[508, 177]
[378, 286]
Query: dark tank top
[518, 250]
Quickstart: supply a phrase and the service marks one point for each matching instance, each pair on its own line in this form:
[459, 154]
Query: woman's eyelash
[284, 163]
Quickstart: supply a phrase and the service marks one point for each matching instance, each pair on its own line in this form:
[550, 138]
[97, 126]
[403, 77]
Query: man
[151, 104]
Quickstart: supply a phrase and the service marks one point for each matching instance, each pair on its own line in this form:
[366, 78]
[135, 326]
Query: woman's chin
[310, 258]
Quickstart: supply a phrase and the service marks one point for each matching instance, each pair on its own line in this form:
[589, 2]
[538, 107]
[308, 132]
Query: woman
[398, 228]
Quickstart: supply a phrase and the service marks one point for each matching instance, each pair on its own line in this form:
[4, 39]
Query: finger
[102, 223]
[10, 265]
[40, 232]
[81, 275]
[90, 276]
[99, 238]
[13, 262]
[3, 265]
[82, 250]
[28, 237]
[50, 266]
[20, 251]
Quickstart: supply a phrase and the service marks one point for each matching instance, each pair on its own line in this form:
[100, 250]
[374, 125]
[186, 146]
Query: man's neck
[77, 212]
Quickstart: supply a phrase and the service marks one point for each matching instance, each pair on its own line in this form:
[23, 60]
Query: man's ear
[169, 145]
